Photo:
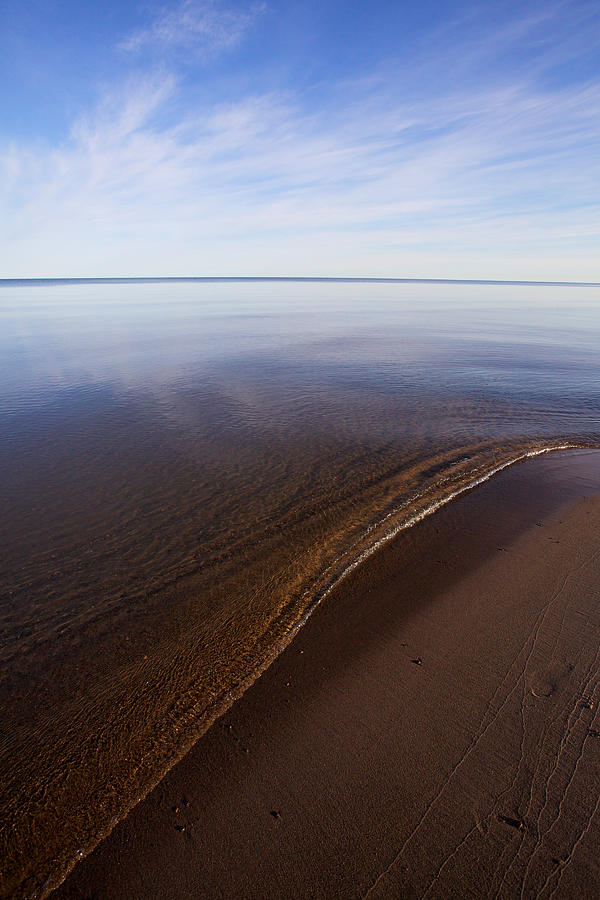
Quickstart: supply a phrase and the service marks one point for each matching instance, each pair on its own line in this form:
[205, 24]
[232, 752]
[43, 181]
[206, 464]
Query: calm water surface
[187, 467]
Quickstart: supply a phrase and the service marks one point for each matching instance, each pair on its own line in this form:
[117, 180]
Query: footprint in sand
[543, 688]
[544, 683]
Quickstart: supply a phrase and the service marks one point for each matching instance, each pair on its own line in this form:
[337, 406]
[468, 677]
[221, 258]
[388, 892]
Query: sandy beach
[432, 731]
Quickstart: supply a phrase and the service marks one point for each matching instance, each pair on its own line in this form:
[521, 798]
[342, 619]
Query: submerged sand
[433, 729]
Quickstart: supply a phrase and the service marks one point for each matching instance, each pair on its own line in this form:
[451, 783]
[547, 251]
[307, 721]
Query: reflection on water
[184, 465]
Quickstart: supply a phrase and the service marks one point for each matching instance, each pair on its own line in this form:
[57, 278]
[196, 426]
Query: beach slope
[432, 731]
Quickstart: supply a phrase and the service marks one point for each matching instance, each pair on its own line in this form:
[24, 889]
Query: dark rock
[514, 823]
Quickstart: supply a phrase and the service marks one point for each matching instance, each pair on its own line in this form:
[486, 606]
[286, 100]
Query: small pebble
[514, 823]
[418, 661]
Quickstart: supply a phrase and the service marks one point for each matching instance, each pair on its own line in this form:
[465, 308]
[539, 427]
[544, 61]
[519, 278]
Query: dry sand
[432, 731]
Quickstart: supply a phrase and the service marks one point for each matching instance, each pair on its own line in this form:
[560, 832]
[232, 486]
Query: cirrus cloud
[203, 27]
[399, 172]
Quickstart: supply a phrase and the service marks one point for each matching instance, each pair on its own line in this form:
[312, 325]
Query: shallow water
[187, 466]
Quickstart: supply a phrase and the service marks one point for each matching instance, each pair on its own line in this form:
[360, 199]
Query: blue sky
[334, 138]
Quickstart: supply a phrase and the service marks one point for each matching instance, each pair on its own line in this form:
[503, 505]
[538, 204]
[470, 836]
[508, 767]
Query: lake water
[187, 467]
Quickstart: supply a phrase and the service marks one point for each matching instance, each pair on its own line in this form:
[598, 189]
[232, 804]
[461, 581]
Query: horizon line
[149, 279]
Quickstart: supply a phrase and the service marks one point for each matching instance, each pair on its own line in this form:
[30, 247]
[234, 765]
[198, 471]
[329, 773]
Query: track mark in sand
[537, 829]
[450, 856]
[484, 728]
[573, 720]
[533, 638]
[569, 859]
[528, 647]
[537, 631]
[489, 718]
[560, 754]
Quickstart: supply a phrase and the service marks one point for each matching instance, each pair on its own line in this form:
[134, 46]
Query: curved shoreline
[438, 504]
[323, 586]
[344, 650]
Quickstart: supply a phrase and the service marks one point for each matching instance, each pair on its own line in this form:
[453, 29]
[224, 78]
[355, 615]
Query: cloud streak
[379, 179]
[204, 28]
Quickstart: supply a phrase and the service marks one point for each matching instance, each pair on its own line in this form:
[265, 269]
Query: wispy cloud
[203, 27]
[383, 177]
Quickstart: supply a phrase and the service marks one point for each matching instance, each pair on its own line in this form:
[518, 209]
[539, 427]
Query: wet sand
[433, 730]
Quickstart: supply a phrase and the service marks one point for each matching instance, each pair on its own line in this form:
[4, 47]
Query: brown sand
[432, 731]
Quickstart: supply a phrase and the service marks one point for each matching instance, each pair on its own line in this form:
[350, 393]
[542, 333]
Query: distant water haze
[187, 467]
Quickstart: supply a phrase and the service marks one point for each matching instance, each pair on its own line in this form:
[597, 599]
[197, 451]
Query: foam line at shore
[418, 517]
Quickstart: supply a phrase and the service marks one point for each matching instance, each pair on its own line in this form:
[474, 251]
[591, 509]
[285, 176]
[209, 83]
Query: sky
[296, 137]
